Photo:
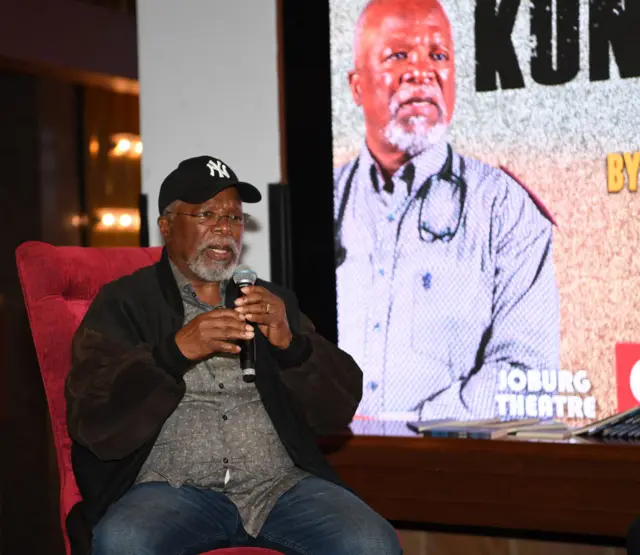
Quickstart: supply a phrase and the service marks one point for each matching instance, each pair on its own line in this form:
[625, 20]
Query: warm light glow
[116, 220]
[126, 145]
[123, 146]
[94, 146]
[79, 220]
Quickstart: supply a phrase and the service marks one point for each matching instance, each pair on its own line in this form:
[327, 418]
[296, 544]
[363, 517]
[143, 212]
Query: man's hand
[211, 332]
[261, 306]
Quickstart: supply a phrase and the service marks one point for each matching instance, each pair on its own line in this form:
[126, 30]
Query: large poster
[486, 158]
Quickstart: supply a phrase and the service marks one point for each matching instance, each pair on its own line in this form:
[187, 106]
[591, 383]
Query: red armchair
[58, 284]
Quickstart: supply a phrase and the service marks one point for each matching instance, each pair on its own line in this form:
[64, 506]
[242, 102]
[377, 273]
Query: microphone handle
[248, 352]
[248, 359]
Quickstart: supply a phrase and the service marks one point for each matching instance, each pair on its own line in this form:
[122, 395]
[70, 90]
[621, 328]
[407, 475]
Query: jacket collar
[168, 285]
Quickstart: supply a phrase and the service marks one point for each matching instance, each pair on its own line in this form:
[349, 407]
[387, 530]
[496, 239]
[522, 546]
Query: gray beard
[211, 270]
[420, 138]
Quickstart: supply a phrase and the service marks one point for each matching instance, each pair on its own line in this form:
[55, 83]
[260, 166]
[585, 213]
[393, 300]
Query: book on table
[475, 429]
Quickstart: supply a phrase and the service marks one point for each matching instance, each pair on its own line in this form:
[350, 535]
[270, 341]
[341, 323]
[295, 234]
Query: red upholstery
[58, 284]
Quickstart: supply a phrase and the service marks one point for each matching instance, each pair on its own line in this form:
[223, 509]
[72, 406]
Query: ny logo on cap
[218, 167]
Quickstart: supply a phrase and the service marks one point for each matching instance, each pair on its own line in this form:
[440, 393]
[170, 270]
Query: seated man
[172, 450]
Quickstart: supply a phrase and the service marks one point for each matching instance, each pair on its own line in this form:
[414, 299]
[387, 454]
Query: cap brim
[248, 193]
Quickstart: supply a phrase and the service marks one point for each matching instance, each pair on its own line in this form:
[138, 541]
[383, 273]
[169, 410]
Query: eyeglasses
[211, 219]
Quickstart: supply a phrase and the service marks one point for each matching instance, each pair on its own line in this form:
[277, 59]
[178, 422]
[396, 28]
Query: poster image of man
[444, 264]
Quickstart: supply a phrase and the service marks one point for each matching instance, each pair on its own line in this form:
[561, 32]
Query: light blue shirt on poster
[443, 286]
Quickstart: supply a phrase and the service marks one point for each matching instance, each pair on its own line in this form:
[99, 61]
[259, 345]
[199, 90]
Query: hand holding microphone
[261, 306]
[232, 331]
[213, 332]
[222, 331]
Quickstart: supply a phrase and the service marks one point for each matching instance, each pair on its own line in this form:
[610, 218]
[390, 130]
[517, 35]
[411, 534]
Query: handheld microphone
[243, 276]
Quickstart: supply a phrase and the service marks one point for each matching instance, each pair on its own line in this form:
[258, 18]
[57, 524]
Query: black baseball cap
[196, 180]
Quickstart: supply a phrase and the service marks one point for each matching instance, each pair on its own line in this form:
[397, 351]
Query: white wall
[209, 85]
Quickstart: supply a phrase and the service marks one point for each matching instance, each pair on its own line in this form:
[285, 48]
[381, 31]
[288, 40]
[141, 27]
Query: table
[568, 488]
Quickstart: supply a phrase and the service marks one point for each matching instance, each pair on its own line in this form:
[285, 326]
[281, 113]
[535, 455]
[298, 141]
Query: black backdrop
[307, 98]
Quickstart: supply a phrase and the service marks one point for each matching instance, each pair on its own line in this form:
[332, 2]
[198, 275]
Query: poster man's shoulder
[512, 183]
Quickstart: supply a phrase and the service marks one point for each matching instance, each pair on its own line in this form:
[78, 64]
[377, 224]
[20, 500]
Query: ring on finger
[268, 308]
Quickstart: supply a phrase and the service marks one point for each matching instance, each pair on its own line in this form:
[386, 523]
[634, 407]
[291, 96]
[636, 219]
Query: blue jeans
[315, 517]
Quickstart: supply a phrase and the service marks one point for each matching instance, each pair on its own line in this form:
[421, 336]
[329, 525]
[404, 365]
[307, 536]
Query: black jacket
[127, 378]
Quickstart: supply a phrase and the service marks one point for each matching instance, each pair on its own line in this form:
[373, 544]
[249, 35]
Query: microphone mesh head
[243, 276]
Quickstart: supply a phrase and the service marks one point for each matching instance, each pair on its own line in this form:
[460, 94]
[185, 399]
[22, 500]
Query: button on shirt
[220, 435]
[443, 285]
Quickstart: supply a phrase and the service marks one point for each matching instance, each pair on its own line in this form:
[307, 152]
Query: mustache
[421, 93]
[219, 243]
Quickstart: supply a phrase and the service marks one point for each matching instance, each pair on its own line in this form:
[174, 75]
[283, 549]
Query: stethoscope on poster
[436, 223]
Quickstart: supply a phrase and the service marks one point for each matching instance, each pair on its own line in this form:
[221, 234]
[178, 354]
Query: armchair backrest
[58, 284]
